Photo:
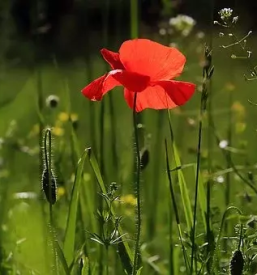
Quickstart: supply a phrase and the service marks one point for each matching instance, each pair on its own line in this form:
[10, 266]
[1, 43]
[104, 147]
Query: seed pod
[48, 179]
[50, 191]
[144, 158]
[237, 263]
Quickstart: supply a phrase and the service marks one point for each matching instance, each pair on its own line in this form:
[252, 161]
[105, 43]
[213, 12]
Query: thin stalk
[209, 233]
[48, 164]
[137, 188]
[107, 260]
[233, 166]
[100, 200]
[173, 197]
[156, 173]
[202, 109]
[113, 138]
[102, 134]
[228, 162]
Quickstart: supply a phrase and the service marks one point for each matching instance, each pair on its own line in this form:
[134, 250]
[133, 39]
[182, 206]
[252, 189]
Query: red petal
[112, 58]
[130, 80]
[151, 97]
[100, 86]
[180, 92]
[150, 58]
[164, 95]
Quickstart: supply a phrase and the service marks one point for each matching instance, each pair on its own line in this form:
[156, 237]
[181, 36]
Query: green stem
[107, 260]
[175, 207]
[209, 233]
[137, 188]
[48, 164]
[203, 103]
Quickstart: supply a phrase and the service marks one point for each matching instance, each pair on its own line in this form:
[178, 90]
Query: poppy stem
[137, 189]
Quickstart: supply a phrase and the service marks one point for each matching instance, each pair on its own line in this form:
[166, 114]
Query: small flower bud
[235, 19]
[225, 14]
[50, 191]
[237, 263]
[48, 179]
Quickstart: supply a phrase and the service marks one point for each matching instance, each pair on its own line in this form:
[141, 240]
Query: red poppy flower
[145, 67]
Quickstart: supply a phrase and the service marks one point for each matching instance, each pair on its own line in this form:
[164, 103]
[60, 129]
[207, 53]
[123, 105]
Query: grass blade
[69, 240]
[202, 199]
[62, 258]
[183, 190]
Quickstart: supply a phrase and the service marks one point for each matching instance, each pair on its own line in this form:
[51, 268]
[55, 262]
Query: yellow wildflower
[63, 117]
[57, 131]
[129, 199]
[74, 117]
[34, 131]
[230, 87]
[60, 191]
[238, 109]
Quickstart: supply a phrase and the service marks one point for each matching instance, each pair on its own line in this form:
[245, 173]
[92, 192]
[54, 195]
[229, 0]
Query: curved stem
[137, 188]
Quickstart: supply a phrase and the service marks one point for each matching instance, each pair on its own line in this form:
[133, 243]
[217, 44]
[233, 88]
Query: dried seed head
[52, 101]
[237, 263]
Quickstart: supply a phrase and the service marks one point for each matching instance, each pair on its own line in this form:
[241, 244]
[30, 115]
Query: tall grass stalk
[155, 189]
[39, 104]
[175, 207]
[51, 200]
[216, 255]
[207, 74]
[137, 190]
[209, 233]
[105, 15]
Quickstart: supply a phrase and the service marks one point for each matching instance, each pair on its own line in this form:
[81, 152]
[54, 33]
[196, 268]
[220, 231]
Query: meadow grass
[207, 149]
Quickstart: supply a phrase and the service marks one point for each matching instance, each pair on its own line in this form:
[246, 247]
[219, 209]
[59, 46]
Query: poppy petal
[152, 97]
[153, 59]
[130, 80]
[180, 92]
[112, 58]
[99, 87]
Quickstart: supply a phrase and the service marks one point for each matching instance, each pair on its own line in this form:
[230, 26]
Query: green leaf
[85, 268]
[139, 270]
[69, 239]
[183, 190]
[62, 258]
